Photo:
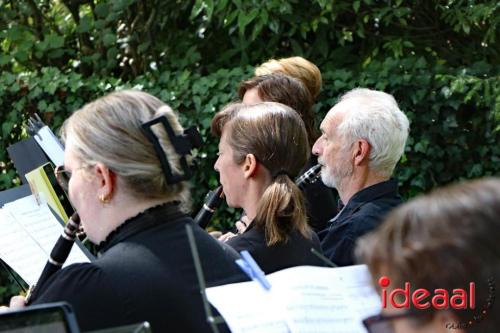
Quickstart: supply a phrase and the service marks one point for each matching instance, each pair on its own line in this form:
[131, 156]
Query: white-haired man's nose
[317, 148]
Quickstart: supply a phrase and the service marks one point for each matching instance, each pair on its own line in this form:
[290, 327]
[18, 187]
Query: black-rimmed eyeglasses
[63, 176]
[383, 323]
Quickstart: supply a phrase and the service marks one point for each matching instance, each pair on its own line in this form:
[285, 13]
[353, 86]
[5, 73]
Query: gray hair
[108, 130]
[375, 116]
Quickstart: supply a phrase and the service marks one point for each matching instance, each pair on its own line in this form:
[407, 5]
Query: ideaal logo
[460, 298]
[478, 315]
[440, 299]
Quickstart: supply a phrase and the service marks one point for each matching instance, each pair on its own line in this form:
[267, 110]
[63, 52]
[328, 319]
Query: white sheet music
[247, 307]
[50, 145]
[23, 255]
[301, 300]
[28, 234]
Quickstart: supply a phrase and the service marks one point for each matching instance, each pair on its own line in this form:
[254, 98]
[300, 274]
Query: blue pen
[252, 269]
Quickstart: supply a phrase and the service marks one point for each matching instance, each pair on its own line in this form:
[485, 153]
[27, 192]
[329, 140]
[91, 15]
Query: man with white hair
[363, 138]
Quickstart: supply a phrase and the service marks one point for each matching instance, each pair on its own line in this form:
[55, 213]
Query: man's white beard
[327, 178]
[336, 177]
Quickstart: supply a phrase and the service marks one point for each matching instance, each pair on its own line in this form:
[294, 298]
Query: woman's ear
[249, 166]
[106, 181]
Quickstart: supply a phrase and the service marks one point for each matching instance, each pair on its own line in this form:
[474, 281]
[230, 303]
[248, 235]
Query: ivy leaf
[466, 28]
[101, 10]
[85, 24]
[244, 19]
[55, 41]
[4, 59]
[197, 8]
[210, 9]
[355, 6]
[42, 105]
[109, 39]
[6, 128]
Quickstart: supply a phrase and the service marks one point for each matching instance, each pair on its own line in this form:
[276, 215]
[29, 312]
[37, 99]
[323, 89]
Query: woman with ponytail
[290, 88]
[262, 149]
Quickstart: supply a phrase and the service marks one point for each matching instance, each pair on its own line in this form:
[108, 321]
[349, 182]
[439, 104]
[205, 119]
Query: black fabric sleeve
[240, 243]
[90, 293]
[343, 252]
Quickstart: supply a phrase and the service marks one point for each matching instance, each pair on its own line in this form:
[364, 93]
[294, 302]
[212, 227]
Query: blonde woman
[133, 208]
[297, 67]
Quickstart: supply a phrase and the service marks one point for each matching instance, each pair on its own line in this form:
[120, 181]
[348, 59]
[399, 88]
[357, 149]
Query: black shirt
[363, 213]
[295, 252]
[145, 273]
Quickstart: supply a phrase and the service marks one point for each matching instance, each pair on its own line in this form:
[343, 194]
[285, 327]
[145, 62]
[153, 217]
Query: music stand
[134, 328]
[43, 318]
[212, 320]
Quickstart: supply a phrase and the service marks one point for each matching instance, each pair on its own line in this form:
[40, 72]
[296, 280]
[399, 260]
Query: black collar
[144, 220]
[368, 194]
[373, 192]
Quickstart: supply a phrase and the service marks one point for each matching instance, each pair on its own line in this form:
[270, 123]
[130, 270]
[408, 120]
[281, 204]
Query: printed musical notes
[301, 300]
[28, 234]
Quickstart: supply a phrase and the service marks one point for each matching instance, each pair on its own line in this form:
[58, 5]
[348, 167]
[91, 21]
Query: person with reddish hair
[321, 202]
[444, 240]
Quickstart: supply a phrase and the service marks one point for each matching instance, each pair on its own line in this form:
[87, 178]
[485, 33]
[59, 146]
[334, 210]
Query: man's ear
[361, 152]
[106, 181]
[250, 165]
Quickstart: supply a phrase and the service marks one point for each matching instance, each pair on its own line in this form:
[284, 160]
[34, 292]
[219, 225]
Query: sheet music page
[41, 231]
[248, 308]
[26, 257]
[364, 301]
[307, 299]
[50, 145]
[320, 299]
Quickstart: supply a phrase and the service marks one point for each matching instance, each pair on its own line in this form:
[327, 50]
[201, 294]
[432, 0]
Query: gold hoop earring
[104, 198]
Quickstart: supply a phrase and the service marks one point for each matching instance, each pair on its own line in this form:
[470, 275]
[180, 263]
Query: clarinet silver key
[309, 177]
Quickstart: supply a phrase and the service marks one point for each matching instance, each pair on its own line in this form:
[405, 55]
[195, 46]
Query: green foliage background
[440, 59]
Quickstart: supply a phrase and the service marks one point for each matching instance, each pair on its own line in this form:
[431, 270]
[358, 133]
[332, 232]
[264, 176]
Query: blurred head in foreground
[441, 242]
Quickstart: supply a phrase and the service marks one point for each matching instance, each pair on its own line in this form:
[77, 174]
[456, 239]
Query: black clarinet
[308, 177]
[58, 256]
[214, 198]
[212, 201]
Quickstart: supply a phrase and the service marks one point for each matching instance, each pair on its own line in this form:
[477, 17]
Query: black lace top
[148, 217]
[145, 272]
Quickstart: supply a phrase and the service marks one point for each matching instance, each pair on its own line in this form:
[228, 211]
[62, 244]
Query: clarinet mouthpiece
[212, 201]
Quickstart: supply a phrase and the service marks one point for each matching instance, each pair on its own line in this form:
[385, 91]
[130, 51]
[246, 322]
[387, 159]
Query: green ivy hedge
[454, 114]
